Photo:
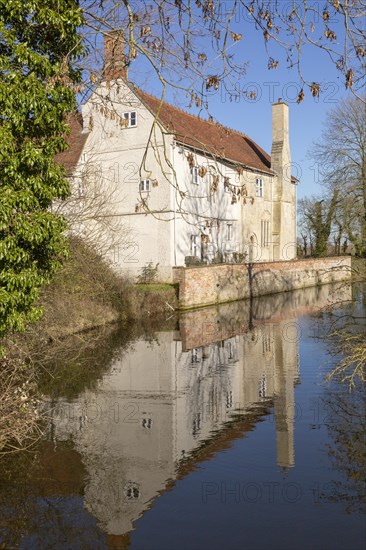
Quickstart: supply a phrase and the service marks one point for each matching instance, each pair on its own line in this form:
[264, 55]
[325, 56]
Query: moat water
[214, 430]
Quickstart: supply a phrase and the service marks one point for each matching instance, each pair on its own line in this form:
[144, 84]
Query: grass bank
[87, 294]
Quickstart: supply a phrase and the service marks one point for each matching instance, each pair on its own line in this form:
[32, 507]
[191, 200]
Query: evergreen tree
[39, 43]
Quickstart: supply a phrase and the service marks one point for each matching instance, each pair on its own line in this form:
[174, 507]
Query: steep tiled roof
[76, 141]
[189, 130]
[208, 136]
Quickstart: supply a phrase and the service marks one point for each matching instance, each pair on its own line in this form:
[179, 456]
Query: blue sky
[306, 118]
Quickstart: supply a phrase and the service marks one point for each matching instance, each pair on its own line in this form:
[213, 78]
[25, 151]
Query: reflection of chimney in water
[284, 400]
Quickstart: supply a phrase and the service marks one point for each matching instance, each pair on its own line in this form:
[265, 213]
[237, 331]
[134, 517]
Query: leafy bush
[148, 273]
[38, 46]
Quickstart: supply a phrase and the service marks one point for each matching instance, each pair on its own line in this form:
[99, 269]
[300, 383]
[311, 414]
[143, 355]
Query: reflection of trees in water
[344, 331]
[40, 500]
[346, 423]
[78, 362]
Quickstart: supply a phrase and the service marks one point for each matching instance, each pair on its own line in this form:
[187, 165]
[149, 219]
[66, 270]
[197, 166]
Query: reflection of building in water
[162, 399]
[159, 402]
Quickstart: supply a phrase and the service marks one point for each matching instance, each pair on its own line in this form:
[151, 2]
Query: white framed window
[259, 187]
[195, 175]
[131, 118]
[264, 232]
[229, 231]
[211, 195]
[194, 245]
[145, 186]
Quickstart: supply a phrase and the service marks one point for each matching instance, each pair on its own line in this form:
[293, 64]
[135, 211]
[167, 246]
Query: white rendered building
[186, 189]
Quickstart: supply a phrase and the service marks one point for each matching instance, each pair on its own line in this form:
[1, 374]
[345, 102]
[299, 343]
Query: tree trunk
[363, 218]
[322, 228]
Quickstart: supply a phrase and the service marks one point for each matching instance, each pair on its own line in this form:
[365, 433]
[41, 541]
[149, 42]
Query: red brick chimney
[115, 65]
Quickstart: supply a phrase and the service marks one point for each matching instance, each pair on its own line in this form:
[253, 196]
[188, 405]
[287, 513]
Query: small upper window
[227, 186]
[229, 231]
[145, 185]
[259, 187]
[195, 175]
[131, 118]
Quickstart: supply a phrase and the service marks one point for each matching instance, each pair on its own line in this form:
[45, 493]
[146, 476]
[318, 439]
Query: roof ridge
[164, 102]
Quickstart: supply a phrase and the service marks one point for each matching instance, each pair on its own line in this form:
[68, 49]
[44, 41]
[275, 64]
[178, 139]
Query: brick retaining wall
[214, 284]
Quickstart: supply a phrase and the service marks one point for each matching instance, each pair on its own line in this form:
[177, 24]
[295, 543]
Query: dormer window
[145, 186]
[131, 118]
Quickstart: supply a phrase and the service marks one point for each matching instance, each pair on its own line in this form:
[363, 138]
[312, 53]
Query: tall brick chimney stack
[280, 136]
[283, 191]
[114, 55]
